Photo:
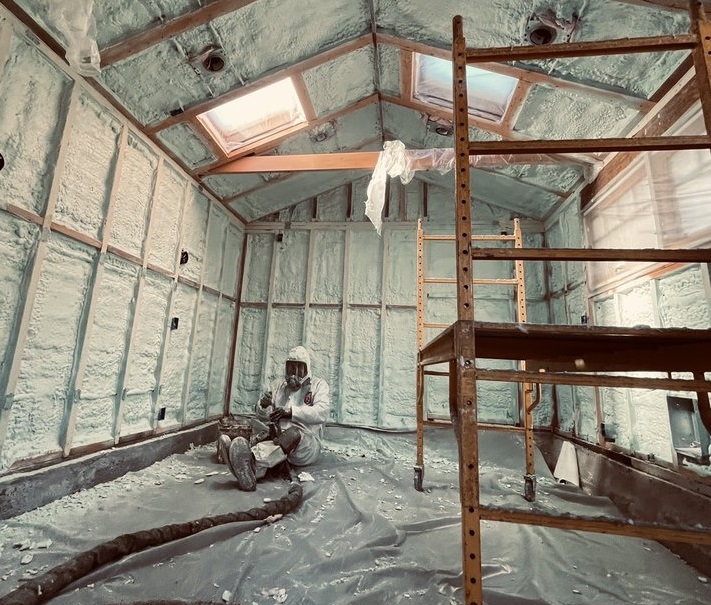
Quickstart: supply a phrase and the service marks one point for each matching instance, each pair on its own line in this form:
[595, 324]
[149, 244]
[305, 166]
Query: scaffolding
[570, 355]
[526, 400]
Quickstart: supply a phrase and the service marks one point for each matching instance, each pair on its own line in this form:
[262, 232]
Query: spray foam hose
[42, 588]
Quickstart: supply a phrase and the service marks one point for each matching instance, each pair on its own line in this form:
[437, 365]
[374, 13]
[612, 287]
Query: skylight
[489, 93]
[254, 116]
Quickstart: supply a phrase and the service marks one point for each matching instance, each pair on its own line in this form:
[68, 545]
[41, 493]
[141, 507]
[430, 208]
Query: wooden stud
[18, 338]
[125, 371]
[385, 261]
[196, 320]
[213, 346]
[306, 326]
[345, 294]
[268, 313]
[236, 324]
[89, 311]
[155, 398]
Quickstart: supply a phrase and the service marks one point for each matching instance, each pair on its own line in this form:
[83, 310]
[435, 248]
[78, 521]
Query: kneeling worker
[298, 408]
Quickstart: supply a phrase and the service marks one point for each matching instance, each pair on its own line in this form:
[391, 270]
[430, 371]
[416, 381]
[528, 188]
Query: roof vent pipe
[546, 28]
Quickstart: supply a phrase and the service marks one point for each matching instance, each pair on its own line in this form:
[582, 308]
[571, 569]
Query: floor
[362, 534]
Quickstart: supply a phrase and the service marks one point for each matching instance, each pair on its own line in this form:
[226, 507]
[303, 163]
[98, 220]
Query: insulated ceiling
[352, 61]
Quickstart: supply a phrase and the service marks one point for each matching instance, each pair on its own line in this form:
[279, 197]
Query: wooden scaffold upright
[526, 400]
[553, 354]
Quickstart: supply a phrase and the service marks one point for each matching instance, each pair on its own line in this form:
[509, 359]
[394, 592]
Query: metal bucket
[233, 426]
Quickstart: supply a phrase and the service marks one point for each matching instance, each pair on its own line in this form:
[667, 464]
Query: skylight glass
[254, 116]
[489, 93]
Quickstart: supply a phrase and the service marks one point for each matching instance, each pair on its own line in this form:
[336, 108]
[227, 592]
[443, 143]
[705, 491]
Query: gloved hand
[266, 400]
[280, 413]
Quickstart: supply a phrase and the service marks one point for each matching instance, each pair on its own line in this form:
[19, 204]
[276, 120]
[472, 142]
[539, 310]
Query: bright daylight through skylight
[254, 116]
[489, 93]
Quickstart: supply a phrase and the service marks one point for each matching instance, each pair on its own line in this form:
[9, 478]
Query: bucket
[233, 426]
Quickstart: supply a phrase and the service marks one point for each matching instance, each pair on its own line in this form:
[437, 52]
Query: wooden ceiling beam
[296, 68]
[356, 160]
[150, 37]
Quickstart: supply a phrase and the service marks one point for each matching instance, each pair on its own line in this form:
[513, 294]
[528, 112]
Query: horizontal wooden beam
[168, 29]
[600, 526]
[356, 160]
[594, 380]
[591, 145]
[583, 49]
[646, 255]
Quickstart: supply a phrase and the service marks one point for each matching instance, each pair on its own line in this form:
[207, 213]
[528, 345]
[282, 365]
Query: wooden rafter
[525, 75]
[240, 91]
[143, 40]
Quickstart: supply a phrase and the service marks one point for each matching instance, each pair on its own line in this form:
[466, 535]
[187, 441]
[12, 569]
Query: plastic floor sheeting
[361, 535]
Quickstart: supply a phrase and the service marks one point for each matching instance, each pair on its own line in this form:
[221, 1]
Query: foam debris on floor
[362, 534]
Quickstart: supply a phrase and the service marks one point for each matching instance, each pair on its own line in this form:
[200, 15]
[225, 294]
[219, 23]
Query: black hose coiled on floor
[42, 588]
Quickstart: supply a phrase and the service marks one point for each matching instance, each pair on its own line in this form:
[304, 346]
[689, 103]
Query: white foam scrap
[199, 481]
[26, 560]
[226, 596]
[212, 473]
[304, 476]
[703, 579]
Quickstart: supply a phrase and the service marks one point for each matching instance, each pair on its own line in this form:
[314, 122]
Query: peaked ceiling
[352, 65]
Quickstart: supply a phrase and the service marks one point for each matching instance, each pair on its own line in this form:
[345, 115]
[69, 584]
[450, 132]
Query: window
[489, 93]
[254, 116]
[659, 202]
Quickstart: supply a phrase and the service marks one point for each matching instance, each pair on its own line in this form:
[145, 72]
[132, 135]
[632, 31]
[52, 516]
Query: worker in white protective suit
[296, 410]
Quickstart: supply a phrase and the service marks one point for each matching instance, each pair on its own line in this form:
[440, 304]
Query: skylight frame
[282, 94]
[494, 107]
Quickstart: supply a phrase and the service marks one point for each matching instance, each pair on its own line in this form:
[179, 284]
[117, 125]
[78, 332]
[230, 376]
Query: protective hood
[300, 354]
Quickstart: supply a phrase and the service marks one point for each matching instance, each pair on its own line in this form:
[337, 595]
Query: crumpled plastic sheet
[361, 535]
[397, 161]
[75, 19]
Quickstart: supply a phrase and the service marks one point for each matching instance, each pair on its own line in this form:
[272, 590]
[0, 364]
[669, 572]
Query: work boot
[223, 447]
[242, 464]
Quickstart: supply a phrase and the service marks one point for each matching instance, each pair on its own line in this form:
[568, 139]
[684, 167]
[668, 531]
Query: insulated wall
[320, 275]
[631, 295]
[119, 276]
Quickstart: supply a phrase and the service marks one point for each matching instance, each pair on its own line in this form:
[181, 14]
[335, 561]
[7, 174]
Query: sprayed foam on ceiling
[265, 36]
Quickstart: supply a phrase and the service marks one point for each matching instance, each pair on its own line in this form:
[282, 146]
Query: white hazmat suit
[310, 406]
